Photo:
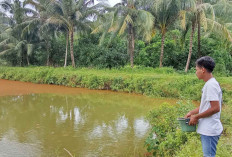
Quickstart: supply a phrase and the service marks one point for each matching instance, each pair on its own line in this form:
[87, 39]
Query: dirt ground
[8, 87]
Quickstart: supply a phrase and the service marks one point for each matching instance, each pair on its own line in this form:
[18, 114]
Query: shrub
[166, 137]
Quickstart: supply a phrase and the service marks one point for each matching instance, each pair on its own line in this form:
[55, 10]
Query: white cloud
[111, 2]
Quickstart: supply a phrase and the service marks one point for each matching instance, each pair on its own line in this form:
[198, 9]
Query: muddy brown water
[48, 120]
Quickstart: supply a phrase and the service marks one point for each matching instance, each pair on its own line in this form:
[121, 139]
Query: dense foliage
[176, 55]
[88, 53]
[166, 136]
[167, 140]
[164, 82]
[80, 33]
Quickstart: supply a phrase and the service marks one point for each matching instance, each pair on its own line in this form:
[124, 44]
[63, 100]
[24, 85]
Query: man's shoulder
[212, 81]
[212, 84]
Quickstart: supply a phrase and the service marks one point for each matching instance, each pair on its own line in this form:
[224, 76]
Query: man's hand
[188, 115]
[195, 111]
[193, 120]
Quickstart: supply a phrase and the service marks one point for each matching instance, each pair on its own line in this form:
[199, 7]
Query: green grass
[164, 82]
[159, 82]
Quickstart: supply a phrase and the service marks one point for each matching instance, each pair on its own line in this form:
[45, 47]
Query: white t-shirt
[210, 126]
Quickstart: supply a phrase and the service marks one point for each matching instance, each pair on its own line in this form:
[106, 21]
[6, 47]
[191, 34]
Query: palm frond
[4, 42]
[145, 24]
[80, 4]
[6, 51]
[37, 6]
[56, 21]
[220, 30]
[6, 5]
[102, 38]
[30, 11]
[183, 19]
[7, 38]
[20, 45]
[126, 21]
[3, 27]
[228, 25]
[30, 49]
[184, 34]
[203, 20]
[97, 29]
[206, 6]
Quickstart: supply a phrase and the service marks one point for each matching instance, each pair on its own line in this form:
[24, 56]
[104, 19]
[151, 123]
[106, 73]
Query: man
[208, 114]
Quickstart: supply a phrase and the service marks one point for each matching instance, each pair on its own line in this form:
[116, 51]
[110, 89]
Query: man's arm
[215, 108]
[195, 111]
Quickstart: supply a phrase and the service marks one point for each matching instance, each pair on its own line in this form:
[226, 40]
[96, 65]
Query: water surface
[53, 120]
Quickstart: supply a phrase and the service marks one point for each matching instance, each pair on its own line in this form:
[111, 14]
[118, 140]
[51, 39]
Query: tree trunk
[199, 2]
[48, 54]
[48, 60]
[66, 53]
[21, 60]
[199, 36]
[162, 50]
[190, 47]
[71, 47]
[28, 63]
[131, 46]
[48, 45]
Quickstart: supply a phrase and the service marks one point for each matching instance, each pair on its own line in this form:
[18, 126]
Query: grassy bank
[170, 141]
[164, 82]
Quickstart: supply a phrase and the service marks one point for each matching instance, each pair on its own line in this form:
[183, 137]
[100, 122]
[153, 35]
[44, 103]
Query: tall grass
[164, 82]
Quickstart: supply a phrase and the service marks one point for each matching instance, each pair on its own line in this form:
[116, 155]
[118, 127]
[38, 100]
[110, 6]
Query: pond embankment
[151, 82]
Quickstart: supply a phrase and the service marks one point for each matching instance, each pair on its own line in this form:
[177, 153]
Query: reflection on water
[94, 124]
[13, 148]
[141, 127]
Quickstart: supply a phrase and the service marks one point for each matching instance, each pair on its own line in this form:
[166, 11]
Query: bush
[164, 82]
[176, 53]
[89, 53]
[166, 137]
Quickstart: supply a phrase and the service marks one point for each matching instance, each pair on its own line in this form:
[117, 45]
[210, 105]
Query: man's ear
[203, 70]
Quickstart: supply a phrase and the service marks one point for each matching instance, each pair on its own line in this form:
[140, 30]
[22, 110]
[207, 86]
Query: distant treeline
[81, 33]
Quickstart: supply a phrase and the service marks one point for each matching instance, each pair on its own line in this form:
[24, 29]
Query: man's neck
[207, 77]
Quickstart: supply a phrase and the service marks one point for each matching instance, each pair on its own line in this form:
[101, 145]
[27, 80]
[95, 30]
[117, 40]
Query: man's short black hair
[206, 62]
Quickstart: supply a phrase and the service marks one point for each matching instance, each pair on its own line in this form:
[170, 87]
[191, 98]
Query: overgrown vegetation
[89, 54]
[85, 34]
[164, 82]
[167, 140]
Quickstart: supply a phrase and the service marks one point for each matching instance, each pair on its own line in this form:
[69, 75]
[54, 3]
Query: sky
[111, 2]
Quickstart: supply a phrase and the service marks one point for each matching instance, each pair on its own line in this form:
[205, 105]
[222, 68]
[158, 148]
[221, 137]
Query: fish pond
[47, 120]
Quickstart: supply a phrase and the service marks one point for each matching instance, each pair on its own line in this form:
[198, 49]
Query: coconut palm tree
[74, 16]
[13, 38]
[198, 15]
[128, 18]
[166, 12]
[47, 31]
[203, 14]
[223, 13]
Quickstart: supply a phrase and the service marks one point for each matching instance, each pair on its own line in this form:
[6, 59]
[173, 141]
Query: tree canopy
[42, 32]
